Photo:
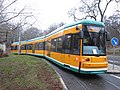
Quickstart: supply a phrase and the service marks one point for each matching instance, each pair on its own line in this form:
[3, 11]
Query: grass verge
[22, 72]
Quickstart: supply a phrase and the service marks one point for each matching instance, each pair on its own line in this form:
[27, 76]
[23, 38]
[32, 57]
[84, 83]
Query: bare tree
[31, 33]
[91, 9]
[6, 20]
[54, 27]
[113, 24]
[9, 32]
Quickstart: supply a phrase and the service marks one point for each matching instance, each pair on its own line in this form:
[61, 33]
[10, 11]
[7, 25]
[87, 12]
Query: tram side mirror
[81, 34]
[107, 36]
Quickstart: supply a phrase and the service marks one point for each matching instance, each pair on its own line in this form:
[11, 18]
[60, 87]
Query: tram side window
[29, 46]
[67, 44]
[23, 47]
[14, 48]
[39, 46]
[54, 45]
[76, 44]
[46, 45]
[59, 44]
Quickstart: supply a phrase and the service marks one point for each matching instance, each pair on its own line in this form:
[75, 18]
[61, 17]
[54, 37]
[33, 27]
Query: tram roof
[38, 38]
[84, 22]
[15, 43]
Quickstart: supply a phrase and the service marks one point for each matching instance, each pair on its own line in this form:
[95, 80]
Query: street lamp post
[19, 37]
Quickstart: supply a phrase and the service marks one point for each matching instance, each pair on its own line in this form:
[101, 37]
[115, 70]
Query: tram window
[29, 46]
[14, 48]
[54, 45]
[76, 44]
[59, 44]
[39, 46]
[43, 45]
[23, 47]
[47, 45]
[67, 43]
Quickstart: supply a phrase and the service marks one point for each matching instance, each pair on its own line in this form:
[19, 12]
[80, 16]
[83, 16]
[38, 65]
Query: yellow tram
[79, 47]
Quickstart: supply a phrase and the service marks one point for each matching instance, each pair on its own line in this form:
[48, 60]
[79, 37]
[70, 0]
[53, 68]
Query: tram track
[80, 83]
[75, 81]
[110, 82]
[93, 85]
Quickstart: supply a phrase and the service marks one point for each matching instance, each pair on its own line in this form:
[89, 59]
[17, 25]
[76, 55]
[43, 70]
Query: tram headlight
[84, 60]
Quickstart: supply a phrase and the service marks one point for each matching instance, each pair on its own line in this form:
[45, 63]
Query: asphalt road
[75, 81]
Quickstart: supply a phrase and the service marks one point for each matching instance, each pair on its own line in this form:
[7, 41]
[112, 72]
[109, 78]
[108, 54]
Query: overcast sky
[48, 12]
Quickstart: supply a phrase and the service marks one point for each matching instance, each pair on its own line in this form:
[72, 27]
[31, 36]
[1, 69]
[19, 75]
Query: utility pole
[19, 38]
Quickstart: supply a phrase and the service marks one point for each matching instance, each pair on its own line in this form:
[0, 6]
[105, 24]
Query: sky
[48, 12]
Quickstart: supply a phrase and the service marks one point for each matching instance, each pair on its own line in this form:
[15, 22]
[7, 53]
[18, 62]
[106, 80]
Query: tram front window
[94, 41]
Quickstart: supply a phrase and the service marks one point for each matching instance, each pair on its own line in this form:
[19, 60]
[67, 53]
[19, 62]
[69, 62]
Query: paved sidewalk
[115, 70]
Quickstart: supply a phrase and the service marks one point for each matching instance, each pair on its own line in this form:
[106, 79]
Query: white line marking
[115, 76]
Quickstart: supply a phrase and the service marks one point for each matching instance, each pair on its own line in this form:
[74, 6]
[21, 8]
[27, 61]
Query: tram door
[33, 48]
[72, 49]
[47, 48]
[67, 48]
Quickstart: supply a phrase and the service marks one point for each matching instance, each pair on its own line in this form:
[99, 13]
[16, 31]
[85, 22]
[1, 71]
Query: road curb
[116, 69]
[113, 72]
[60, 78]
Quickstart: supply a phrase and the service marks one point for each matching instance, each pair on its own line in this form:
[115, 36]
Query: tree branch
[106, 6]
[12, 17]
[100, 9]
[8, 6]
